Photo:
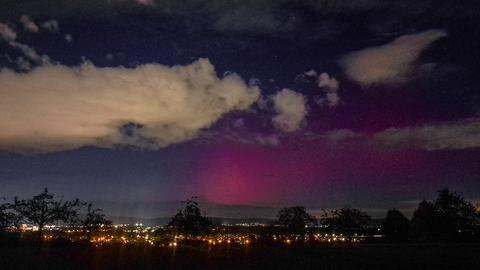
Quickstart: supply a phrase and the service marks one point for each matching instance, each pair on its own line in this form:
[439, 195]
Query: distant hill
[165, 220]
[160, 212]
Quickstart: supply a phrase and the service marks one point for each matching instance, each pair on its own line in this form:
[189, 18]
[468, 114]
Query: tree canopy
[295, 219]
[448, 217]
[346, 220]
[189, 220]
[92, 220]
[44, 209]
[395, 226]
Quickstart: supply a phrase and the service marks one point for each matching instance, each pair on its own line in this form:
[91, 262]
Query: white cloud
[460, 134]
[7, 33]
[311, 73]
[291, 109]
[51, 25]
[28, 24]
[330, 86]
[327, 82]
[390, 63]
[151, 106]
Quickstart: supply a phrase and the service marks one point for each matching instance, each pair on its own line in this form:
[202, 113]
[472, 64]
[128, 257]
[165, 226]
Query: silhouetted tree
[295, 219]
[457, 216]
[92, 221]
[423, 225]
[5, 220]
[8, 217]
[346, 220]
[450, 217]
[395, 226]
[43, 209]
[189, 220]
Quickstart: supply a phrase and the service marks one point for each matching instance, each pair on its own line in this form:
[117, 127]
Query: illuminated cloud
[28, 24]
[7, 33]
[30, 56]
[461, 134]
[327, 82]
[453, 135]
[291, 109]
[151, 106]
[330, 86]
[390, 63]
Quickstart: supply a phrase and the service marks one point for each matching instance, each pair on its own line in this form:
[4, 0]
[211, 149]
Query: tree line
[44, 209]
[447, 218]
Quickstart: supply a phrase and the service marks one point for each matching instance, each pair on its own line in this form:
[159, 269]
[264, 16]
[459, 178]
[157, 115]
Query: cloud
[151, 106]
[291, 109]
[7, 33]
[68, 38]
[236, 131]
[51, 25]
[30, 53]
[340, 135]
[330, 86]
[453, 135]
[310, 73]
[23, 64]
[268, 140]
[390, 63]
[145, 2]
[239, 123]
[28, 24]
[252, 138]
[327, 82]
[257, 17]
[261, 18]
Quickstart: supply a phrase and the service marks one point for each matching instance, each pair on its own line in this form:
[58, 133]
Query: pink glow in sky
[239, 174]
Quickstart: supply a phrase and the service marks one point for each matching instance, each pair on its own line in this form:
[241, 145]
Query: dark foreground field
[364, 256]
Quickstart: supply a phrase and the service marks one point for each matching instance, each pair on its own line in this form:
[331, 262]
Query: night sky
[323, 103]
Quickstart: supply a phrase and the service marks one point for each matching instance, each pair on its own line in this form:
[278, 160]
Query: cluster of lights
[325, 238]
[228, 239]
[144, 235]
